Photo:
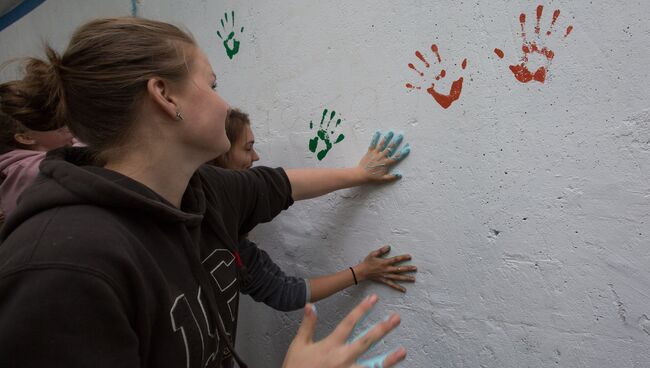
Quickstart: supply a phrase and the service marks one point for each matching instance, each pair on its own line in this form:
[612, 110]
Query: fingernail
[401, 352]
[311, 309]
[372, 298]
[396, 318]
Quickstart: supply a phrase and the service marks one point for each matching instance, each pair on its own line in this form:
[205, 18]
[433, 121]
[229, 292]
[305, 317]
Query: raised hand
[337, 350]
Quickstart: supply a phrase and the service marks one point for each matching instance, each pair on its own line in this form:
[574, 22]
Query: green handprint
[323, 135]
[230, 43]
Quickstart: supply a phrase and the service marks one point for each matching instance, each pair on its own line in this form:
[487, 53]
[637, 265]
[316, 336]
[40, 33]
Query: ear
[160, 92]
[25, 139]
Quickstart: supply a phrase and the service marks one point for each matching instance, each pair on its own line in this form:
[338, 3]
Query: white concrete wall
[52, 22]
[526, 206]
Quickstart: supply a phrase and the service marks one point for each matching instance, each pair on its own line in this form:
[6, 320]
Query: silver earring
[178, 115]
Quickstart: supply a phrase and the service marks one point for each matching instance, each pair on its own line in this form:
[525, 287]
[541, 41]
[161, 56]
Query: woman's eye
[214, 86]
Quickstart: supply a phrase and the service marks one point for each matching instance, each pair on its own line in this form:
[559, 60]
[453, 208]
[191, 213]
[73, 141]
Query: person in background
[263, 280]
[22, 149]
[123, 247]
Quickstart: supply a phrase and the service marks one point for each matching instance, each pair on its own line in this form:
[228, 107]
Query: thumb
[306, 329]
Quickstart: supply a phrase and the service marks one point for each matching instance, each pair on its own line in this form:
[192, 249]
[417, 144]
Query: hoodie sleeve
[255, 196]
[268, 283]
[63, 316]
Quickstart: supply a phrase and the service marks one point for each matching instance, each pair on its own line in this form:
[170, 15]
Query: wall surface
[526, 205]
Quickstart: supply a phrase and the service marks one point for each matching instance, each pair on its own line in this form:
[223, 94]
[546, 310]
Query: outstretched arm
[374, 267]
[374, 167]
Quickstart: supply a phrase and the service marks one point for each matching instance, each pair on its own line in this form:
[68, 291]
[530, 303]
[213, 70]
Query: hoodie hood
[11, 160]
[69, 177]
[18, 169]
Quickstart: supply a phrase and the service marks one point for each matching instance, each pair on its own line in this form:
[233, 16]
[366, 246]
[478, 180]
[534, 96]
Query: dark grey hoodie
[97, 270]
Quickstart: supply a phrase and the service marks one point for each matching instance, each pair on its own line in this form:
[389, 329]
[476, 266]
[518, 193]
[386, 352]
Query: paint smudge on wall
[230, 43]
[135, 6]
[443, 99]
[522, 71]
[325, 134]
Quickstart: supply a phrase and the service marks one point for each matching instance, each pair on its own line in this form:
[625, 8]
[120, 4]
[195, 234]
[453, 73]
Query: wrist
[359, 272]
[360, 175]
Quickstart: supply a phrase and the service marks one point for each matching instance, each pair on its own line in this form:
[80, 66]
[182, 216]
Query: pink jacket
[18, 169]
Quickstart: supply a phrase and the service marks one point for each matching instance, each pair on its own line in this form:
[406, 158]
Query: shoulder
[79, 236]
[257, 174]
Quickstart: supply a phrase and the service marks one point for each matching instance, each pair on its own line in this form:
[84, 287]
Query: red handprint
[521, 71]
[445, 100]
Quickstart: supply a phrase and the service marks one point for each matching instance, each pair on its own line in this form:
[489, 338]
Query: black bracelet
[354, 275]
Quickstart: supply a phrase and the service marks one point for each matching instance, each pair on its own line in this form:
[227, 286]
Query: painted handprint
[230, 43]
[521, 71]
[325, 135]
[444, 99]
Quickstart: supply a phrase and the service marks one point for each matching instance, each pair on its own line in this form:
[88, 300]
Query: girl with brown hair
[263, 280]
[119, 255]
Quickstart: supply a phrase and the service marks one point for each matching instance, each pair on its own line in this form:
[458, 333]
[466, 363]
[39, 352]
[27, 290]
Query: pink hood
[18, 170]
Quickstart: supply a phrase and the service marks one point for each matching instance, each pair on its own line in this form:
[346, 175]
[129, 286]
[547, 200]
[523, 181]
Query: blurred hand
[334, 351]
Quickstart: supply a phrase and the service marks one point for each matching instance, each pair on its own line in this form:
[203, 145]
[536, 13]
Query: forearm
[267, 282]
[310, 183]
[322, 287]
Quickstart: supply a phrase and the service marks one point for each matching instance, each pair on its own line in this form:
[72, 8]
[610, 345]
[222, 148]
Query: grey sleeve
[267, 283]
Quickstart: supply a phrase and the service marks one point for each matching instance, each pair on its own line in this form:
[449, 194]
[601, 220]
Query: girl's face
[242, 153]
[51, 139]
[203, 110]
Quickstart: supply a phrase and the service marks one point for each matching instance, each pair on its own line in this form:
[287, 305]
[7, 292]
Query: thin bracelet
[354, 275]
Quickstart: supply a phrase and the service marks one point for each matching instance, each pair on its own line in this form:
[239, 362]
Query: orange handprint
[445, 100]
[521, 71]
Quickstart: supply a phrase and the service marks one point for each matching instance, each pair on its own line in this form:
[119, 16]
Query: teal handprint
[323, 134]
[230, 42]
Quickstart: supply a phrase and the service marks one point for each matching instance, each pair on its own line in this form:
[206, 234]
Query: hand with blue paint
[383, 153]
[337, 350]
